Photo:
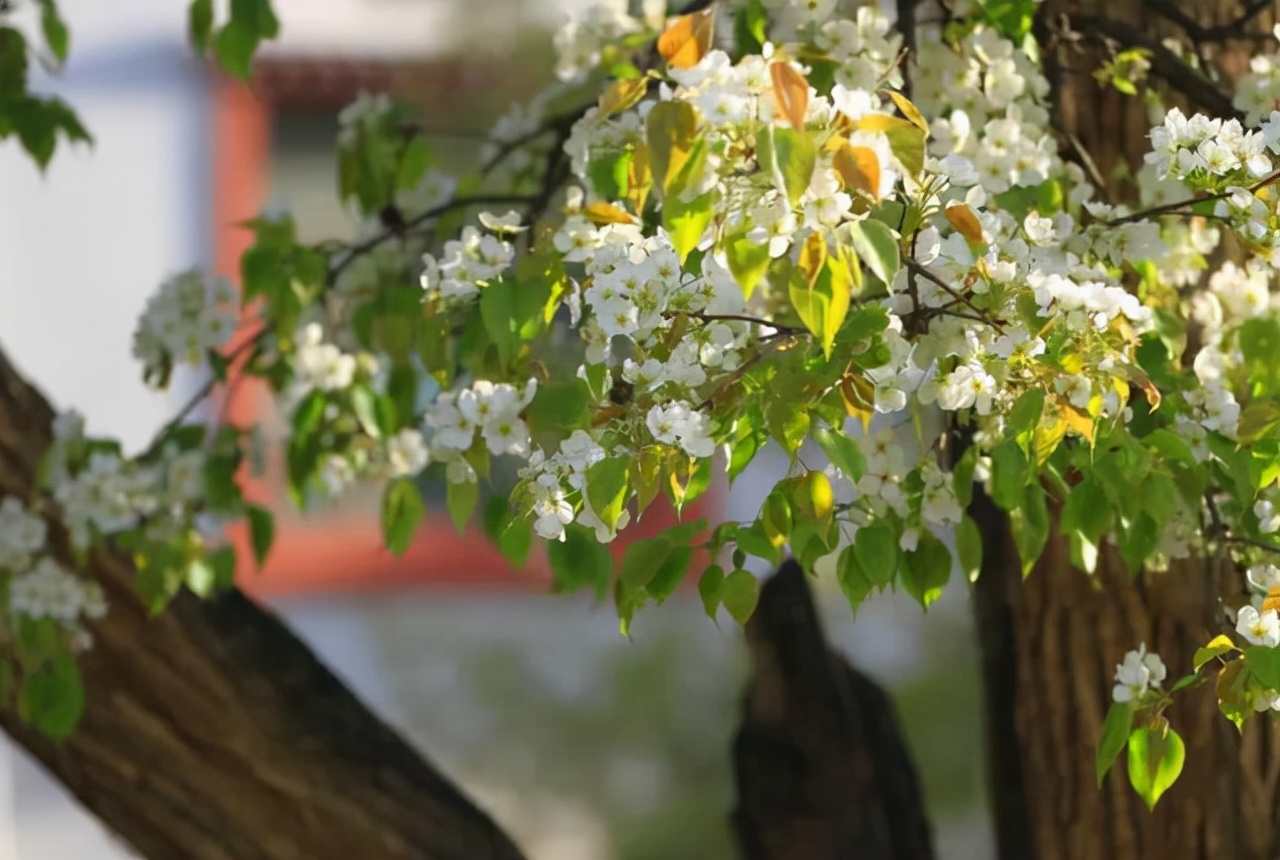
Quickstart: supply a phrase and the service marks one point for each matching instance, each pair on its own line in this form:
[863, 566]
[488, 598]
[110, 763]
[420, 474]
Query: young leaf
[200, 24]
[671, 129]
[969, 547]
[790, 92]
[687, 40]
[262, 532]
[740, 593]
[710, 589]
[858, 168]
[402, 511]
[1155, 760]
[1115, 734]
[966, 223]
[461, 499]
[1219, 645]
[877, 245]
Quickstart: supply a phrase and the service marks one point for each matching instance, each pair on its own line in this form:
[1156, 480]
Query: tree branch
[1165, 64]
[212, 733]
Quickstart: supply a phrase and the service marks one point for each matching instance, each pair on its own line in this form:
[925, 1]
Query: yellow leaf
[813, 254]
[1046, 438]
[909, 111]
[671, 134]
[622, 94]
[963, 219]
[859, 399]
[638, 177]
[1077, 420]
[859, 168]
[688, 38]
[790, 93]
[881, 122]
[600, 213]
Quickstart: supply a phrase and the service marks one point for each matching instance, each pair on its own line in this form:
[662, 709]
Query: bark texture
[822, 770]
[1066, 631]
[213, 733]
[1050, 643]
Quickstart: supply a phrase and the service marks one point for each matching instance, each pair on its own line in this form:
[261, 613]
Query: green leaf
[1155, 760]
[461, 500]
[670, 573]
[52, 698]
[926, 569]
[748, 261]
[1264, 663]
[842, 451]
[1115, 734]
[875, 548]
[1259, 339]
[262, 532]
[1029, 523]
[414, 162]
[740, 593]
[55, 30]
[790, 157]
[1008, 475]
[877, 245]
[853, 579]
[710, 588]
[580, 561]
[234, 47]
[402, 511]
[558, 407]
[200, 24]
[1087, 511]
[222, 493]
[686, 222]
[1219, 645]
[969, 547]
[606, 488]
[671, 129]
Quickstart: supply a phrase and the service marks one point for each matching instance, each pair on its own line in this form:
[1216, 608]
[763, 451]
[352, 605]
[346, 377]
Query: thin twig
[1172, 208]
[951, 291]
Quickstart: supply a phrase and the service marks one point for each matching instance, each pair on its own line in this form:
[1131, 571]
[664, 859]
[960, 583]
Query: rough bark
[822, 770]
[212, 733]
[1050, 643]
[1068, 630]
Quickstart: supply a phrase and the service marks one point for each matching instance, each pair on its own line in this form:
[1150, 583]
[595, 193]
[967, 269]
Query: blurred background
[583, 745]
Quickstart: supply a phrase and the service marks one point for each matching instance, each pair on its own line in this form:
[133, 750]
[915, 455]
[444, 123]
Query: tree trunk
[822, 770]
[212, 733]
[1050, 643]
[1065, 632]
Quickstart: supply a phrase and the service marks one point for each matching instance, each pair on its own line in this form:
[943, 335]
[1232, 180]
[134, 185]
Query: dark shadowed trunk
[822, 770]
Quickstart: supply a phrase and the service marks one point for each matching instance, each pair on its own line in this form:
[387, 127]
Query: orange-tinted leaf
[859, 168]
[963, 219]
[688, 38]
[790, 92]
[909, 111]
[600, 213]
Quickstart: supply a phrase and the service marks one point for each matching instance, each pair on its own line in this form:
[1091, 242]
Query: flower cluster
[37, 585]
[187, 318]
[490, 409]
